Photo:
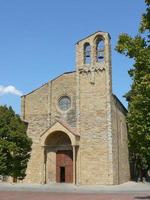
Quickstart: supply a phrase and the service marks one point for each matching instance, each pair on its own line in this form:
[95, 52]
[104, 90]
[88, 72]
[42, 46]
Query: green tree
[15, 146]
[138, 118]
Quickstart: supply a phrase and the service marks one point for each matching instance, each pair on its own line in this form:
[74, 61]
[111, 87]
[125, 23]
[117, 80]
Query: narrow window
[100, 50]
[87, 53]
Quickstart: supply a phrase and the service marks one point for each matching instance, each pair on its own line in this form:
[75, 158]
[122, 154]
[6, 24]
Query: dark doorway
[62, 174]
[64, 166]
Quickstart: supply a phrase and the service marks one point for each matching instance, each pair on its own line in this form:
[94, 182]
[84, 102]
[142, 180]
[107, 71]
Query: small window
[87, 53]
[64, 103]
[100, 50]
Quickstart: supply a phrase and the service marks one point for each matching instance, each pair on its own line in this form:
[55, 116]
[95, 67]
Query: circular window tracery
[64, 103]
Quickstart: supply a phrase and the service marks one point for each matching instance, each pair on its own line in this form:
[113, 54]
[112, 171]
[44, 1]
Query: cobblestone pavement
[5, 195]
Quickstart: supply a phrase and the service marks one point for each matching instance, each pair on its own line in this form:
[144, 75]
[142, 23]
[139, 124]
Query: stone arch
[87, 53]
[57, 138]
[99, 48]
[59, 144]
[59, 158]
[58, 127]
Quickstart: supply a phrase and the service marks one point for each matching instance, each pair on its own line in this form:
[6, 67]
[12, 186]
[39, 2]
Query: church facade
[78, 127]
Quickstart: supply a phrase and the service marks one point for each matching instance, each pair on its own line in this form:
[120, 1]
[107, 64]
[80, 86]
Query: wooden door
[64, 166]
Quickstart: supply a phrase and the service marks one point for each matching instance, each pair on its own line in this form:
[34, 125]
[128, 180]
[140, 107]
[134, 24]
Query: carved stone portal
[90, 70]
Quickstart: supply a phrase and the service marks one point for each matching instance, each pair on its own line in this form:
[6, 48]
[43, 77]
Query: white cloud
[9, 90]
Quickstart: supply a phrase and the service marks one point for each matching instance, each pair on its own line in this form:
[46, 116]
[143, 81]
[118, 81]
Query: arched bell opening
[100, 47]
[87, 53]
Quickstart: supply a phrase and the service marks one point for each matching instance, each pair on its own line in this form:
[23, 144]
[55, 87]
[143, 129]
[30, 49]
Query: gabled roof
[123, 108]
[65, 125]
[91, 35]
[61, 126]
[65, 73]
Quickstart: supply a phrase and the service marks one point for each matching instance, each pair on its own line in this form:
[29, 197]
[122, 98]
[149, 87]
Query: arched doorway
[60, 140]
[59, 154]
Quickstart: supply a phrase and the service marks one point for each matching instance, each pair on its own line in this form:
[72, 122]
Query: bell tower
[94, 93]
[93, 54]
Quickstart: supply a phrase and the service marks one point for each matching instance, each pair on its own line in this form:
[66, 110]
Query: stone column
[74, 164]
[44, 166]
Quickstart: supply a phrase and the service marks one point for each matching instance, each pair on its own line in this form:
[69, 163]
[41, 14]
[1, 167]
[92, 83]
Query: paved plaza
[126, 191]
[71, 196]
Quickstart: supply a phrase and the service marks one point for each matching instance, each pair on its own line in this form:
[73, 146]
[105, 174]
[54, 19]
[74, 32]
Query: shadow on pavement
[145, 197]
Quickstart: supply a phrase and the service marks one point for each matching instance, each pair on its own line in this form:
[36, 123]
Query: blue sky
[37, 40]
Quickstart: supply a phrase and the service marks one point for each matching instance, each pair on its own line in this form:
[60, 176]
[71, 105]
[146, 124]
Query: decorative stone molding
[91, 69]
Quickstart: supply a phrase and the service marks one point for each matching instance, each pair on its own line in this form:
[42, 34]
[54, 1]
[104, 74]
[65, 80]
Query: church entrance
[59, 155]
[64, 166]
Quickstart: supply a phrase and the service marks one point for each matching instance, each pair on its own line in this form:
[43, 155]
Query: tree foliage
[15, 146]
[138, 118]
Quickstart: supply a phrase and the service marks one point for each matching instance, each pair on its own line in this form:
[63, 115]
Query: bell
[87, 53]
[100, 54]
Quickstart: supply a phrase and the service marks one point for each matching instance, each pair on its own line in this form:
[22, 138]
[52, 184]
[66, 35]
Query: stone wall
[64, 86]
[120, 143]
[40, 110]
[94, 114]
[34, 106]
[93, 132]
